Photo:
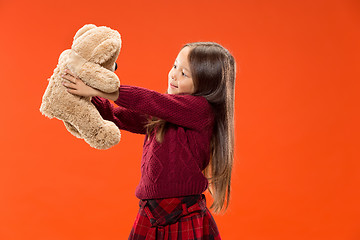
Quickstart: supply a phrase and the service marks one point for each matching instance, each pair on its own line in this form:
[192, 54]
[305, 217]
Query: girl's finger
[68, 77]
[68, 72]
[69, 85]
[72, 91]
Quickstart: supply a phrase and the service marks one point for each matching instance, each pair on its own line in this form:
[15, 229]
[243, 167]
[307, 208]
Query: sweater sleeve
[185, 110]
[125, 119]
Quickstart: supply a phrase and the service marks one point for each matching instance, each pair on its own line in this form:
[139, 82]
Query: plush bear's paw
[72, 129]
[107, 136]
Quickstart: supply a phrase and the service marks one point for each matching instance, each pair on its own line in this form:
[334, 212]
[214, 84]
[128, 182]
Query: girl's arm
[185, 110]
[125, 119]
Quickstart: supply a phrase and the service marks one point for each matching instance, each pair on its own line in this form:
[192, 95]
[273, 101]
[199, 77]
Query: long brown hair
[213, 71]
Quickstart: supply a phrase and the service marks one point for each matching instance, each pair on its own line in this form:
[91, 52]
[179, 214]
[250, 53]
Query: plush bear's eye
[115, 67]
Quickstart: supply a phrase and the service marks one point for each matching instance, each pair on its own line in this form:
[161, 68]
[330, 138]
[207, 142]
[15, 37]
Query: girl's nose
[173, 76]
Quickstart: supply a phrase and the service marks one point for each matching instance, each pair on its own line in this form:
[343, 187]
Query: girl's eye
[183, 74]
[174, 66]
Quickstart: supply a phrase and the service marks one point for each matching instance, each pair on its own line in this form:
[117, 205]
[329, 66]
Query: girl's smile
[173, 86]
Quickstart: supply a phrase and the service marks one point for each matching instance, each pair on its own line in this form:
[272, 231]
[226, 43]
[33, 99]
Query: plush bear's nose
[115, 67]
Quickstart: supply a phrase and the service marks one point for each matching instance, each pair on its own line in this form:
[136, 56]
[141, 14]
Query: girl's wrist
[111, 96]
[96, 93]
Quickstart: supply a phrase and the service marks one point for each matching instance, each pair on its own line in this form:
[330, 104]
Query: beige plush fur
[91, 58]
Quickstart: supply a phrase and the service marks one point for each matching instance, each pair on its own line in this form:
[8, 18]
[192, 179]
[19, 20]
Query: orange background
[296, 173]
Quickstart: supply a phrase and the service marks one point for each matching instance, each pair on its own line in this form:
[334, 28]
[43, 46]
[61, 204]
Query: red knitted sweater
[174, 167]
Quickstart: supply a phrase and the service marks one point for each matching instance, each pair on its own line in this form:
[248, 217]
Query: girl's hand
[76, 86]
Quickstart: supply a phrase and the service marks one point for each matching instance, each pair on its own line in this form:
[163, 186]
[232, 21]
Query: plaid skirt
[184, 218]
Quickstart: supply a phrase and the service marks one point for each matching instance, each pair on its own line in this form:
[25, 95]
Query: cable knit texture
[174, 167]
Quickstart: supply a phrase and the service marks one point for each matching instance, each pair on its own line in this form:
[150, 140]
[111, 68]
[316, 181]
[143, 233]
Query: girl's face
[180, 80]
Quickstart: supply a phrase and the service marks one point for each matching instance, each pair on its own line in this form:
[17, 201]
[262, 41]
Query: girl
[189, 141]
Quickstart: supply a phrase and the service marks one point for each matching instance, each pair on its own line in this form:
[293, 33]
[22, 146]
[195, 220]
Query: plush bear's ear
[84, 29]
[106, 50]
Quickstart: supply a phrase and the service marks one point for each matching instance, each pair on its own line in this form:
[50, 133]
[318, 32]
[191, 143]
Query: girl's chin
[170, 91]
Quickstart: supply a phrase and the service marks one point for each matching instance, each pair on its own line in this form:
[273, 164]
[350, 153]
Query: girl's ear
[106, 50]
[83, 30]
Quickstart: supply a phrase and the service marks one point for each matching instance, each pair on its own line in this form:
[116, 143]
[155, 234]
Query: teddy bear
[92, 59]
